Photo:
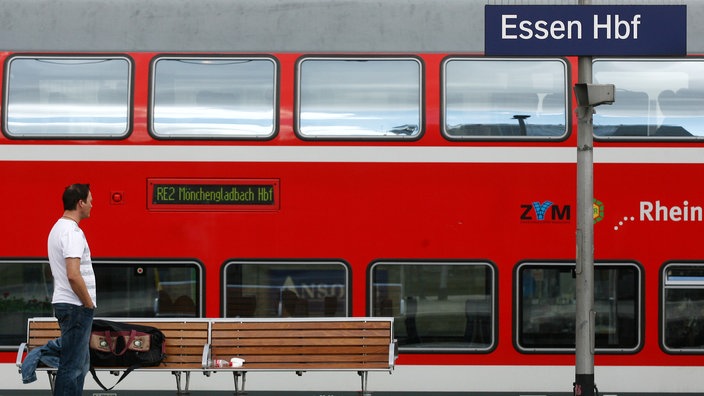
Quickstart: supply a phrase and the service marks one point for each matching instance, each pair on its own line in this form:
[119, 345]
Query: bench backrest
[185, 339]
[293, 344]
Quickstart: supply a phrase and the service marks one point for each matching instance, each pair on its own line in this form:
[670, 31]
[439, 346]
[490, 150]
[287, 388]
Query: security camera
[594, 94]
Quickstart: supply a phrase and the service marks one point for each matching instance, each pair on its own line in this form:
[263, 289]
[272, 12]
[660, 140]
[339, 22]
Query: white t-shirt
[66, 240]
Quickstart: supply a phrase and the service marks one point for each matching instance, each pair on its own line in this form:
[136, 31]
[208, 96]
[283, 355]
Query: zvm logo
[545, 211]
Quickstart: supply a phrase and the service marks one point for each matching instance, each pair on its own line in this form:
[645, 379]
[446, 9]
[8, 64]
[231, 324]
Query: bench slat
[312, 366]
[306, 350]
[348, 362]
[43, 332]
[44, 325]
[264, 342]
[313, 324]
[179, 324]
[288, 333]
[356, 358]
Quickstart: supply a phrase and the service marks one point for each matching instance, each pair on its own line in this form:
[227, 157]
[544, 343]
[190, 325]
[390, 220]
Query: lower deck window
[437, 306]
[147, 289]
[547, 305]
[270, 289]
[683, 308]
[142, 289]
[26, 287]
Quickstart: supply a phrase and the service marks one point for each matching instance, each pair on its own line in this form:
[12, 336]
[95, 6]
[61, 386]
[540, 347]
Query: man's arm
[73, 270]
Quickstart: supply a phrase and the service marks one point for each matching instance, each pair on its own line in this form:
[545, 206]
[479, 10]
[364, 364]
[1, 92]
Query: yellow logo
[598, 210]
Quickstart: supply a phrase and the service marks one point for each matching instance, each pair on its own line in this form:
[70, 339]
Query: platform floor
[312, 393]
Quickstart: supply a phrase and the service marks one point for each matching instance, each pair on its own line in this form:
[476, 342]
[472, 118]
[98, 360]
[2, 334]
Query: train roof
[265, 25]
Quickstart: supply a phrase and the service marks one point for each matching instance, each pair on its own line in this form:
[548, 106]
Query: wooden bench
[302, 344]
[186, 340]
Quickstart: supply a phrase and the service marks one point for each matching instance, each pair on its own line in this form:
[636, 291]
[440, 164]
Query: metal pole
[584, 330]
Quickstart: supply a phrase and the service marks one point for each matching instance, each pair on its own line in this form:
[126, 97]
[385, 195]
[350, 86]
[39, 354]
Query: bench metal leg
[177, 374]
[364, 375]
[236, 375]
[52, 379]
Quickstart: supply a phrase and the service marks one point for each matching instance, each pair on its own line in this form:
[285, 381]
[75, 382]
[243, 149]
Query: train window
[147, 289]
[26, 288]
[683, 308]
[655, 99]
[359, 98]
[78, 97]
[266, 289]
[546, 307]
[437, 306]
[504, 99]
[213, 98]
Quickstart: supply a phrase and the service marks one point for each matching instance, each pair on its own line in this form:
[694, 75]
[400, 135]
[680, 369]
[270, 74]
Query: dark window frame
[107, 93]
[276, 82]
[680, 284]
[275, 298]
[489, 301]
[519, 126]
[392, 132]
[139, 268]
[570, 266]
[663, 105]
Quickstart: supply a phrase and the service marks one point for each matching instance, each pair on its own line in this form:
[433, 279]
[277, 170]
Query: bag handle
[133, 335]
[112, 342]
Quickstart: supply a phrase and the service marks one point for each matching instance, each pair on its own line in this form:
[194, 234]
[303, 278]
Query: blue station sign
[650, 30]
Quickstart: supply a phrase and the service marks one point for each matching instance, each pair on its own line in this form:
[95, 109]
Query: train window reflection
[547, 302]
[655, 99]
[437, 306]
[26, 288]
[683, 308]
[266, 289]
[359, 98]
[500, 98]
[213, 98]
[147, 289]
[68, 97]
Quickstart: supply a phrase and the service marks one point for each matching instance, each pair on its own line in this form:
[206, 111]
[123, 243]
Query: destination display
[585, 30]
[213, 194]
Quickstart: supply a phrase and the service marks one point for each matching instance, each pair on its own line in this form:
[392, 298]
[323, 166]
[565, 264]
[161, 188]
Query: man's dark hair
[73, 194]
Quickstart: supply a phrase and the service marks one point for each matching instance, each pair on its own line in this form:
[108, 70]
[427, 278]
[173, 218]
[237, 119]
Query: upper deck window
[78, 97]
[506, 99]
[213, 98]
[359, 98]
[655, 99]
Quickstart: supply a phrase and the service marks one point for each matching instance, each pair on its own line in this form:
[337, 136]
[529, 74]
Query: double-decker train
[271, 158]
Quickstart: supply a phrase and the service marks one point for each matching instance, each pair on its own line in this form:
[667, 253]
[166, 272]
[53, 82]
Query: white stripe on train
[343, 154]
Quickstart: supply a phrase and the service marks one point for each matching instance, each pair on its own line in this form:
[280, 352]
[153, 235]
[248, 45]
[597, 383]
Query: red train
[427, 183]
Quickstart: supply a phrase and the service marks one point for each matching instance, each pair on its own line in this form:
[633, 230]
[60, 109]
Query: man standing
[74, 289]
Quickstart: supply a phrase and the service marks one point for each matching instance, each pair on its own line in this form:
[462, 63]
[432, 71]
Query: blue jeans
[75, 322]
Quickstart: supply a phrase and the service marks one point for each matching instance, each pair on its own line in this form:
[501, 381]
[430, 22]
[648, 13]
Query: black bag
[119, 344]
